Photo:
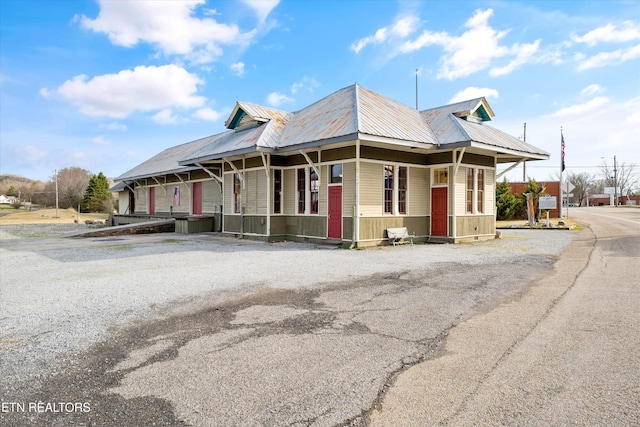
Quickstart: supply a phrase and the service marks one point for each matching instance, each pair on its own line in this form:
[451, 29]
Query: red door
[197, 199]
[334, 222]
[439, 212]
[152, 200]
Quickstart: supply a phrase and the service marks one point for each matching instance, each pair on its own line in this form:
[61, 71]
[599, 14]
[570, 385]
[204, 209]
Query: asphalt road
[566, 353]
[502, 332]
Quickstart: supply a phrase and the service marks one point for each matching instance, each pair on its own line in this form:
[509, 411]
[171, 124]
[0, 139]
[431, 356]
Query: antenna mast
[416, 88]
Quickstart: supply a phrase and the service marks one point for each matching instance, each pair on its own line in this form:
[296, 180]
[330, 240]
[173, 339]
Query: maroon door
[334, 222]
[197, 198]
[152, 200]
[439, 212]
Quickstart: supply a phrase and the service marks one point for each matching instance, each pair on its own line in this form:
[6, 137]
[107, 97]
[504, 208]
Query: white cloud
[401, 28]
[114, 126]
[262, 8]
[581, 109]
[168, 25]
[472, 93]
[630, 31]
[591, 90]
[166, 117]
[141, 89]
[276, 99]
[238, 68]
[470, 52]
[524, 54]
[100, 140]
[308, 84]
[604, 59]
[207, 114]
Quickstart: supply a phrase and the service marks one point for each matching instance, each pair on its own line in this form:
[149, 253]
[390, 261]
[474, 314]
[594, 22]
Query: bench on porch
[398, 235]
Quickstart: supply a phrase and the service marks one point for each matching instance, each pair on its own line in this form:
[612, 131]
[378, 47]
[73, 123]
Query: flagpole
[561, 168]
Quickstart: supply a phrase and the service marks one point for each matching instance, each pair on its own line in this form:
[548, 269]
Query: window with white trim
[277, 191]
[237, 193]
[314, 190]
[395, 189]
[475, 191]
[302, 190]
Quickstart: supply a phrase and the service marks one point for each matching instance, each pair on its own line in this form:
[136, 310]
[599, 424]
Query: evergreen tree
[506, 202]
[96, 194]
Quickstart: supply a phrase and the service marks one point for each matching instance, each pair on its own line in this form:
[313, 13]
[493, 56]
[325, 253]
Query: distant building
[607, 200]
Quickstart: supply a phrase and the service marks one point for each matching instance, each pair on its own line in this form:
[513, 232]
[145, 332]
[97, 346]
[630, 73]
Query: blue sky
[104, 85]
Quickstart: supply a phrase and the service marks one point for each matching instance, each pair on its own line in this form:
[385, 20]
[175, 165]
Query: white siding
[461, 191]
[211, 197]
[371, 189]
[289, 192]
[348, 188]
[418, 193]
[490, 191]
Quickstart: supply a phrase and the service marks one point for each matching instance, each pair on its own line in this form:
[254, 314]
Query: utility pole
[615, 183]
[55, 172]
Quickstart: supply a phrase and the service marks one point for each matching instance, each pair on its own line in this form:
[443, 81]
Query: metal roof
[350, 113]
[166, 161]
[452, 129]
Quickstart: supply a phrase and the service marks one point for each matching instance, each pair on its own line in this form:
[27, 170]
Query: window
[402, 189]
[388, 189]
[314, 189]
[237, 193]
[480, 190]
[336, 174]
[302, 190]
[470, 176]
[440, 176]
[277, 191]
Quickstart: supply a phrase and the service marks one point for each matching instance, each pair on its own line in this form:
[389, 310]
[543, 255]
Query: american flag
[562, 148]
[176, 196]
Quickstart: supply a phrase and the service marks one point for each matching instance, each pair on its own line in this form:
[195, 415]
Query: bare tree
[626, 175]
[72, 183]
[583, 183]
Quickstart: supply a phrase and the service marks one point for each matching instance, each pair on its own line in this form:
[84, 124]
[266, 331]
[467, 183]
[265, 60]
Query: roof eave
[230, 153]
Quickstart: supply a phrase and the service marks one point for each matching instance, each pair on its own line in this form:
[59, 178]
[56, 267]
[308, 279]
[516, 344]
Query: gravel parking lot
[60, 296]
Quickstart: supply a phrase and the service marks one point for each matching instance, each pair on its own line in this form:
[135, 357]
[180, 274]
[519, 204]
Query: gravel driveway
[61, 296]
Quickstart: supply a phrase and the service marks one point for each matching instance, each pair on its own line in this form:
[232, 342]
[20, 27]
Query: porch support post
[266, 160]
[456, 166]
[356, 209]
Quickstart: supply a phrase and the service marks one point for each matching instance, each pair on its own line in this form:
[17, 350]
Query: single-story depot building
[344, 170]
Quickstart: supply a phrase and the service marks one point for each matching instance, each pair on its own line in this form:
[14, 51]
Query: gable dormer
[476, 111]
[243, 117]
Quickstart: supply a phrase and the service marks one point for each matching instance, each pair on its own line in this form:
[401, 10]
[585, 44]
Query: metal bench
[398, 235]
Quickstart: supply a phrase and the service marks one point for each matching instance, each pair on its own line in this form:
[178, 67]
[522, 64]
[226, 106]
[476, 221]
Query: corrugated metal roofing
[165, 161]
[351, 112]
[450, 129]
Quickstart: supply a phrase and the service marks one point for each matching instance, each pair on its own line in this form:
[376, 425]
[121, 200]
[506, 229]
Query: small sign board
[612, 190]
[547, 202]
[568, 187]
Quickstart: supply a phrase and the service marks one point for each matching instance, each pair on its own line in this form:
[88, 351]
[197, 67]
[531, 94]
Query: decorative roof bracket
[313, 165]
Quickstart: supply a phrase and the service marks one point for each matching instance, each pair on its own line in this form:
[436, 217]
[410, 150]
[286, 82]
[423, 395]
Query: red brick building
[552, 188]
